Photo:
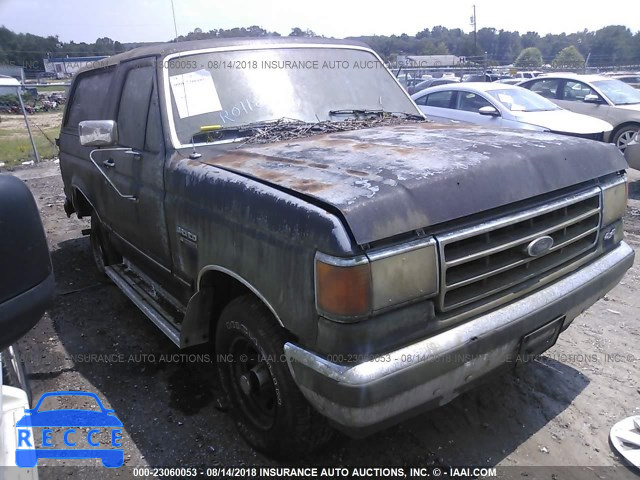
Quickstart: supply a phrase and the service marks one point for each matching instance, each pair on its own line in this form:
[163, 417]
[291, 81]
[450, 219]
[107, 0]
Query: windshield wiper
[248, 128]
[356, 111]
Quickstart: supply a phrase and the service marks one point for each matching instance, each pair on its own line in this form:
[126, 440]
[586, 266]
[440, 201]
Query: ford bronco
[350, 263]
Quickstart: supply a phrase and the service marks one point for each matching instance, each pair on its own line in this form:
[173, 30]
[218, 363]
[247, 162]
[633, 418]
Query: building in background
[12, 71]
[65, 67]
[422, 61]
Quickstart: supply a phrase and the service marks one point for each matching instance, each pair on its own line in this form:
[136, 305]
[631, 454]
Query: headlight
[614, 199]
[349, 289]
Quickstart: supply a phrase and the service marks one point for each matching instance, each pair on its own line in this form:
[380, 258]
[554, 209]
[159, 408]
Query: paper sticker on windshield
[195, 93]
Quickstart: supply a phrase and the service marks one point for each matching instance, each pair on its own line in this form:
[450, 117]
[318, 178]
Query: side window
[422, 100]
[439, 99]
[576, 91]
[547, 88]
[89, 96]
[471, 102]
[134, 107]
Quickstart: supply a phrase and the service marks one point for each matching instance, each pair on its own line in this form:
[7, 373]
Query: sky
[152, 20]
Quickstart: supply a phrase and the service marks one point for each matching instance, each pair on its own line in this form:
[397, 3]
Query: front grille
[483, 263]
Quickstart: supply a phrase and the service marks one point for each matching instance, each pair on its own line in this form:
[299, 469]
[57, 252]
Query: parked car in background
[632, 152]
[507, 106]
[431, 82]
[598, 96]
[509, 81]
[632, 79]
[521, 75]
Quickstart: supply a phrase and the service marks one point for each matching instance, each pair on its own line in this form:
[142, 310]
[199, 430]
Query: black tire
[101, 250]
[269, 410]
[624, 135]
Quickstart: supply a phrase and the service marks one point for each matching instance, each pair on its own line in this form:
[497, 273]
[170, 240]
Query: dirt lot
[556, 412]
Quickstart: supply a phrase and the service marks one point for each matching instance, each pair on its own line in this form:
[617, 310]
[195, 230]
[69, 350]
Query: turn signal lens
[343, 290]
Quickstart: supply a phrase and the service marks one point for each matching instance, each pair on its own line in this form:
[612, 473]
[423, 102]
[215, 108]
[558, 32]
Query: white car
[506, 106]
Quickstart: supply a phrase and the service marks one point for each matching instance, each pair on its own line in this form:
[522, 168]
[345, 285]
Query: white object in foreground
[625, 437]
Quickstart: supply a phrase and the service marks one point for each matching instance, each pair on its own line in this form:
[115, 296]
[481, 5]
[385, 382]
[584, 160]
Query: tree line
[614, 45]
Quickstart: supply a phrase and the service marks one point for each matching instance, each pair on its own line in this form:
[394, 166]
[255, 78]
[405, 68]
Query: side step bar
[144, 302]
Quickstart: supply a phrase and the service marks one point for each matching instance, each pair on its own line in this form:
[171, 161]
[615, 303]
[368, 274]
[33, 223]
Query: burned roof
[164, 49]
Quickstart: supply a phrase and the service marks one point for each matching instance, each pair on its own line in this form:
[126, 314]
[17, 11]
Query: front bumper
[377, 392]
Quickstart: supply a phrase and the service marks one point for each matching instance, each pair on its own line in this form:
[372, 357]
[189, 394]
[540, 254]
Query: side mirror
[489, 110]
[591, 98]
[98, 133]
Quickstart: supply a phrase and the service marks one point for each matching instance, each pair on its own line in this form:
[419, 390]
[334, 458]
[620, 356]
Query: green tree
[568, 57]
[529, 58]
[298, 32]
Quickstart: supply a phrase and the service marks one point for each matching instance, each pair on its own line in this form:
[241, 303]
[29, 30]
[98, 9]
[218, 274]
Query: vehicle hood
[394, 179]
[564, 121]
[634, 107]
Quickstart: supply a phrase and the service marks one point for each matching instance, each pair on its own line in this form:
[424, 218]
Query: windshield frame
[164, 62]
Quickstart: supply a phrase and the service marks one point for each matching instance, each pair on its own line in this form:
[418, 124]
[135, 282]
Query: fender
[197, 319]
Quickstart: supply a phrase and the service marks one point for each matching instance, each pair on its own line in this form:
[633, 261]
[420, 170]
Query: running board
[144, 302]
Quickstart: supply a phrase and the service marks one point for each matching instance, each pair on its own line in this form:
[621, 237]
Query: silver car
[507, 106]
[598, 96]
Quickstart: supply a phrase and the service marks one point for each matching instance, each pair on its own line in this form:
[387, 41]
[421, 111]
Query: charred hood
[391, 180]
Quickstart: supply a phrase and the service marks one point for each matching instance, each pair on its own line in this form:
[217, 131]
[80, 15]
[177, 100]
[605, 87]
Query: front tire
[624, 136]
[269, 410]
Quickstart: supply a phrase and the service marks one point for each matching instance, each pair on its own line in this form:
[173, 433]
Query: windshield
[231, 89]
[618, 92]
[522, 100]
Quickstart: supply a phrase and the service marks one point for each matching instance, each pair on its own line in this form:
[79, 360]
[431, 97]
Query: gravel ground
[556, 412]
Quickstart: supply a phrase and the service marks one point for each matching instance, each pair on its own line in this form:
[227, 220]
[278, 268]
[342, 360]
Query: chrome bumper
[363, 397]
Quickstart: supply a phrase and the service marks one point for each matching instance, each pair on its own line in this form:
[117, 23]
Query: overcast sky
[151, 20]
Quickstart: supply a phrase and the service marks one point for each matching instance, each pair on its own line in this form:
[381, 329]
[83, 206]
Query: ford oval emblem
[539, 246]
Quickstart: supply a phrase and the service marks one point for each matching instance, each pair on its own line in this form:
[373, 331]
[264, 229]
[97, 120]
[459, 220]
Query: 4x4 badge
[187, 234]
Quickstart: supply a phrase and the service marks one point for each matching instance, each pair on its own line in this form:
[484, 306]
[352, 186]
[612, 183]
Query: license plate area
[539, 340]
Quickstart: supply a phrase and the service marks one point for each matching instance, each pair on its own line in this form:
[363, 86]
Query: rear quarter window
[88, 97]
[439, 99]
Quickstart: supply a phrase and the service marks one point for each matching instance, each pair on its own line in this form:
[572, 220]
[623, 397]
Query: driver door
[138, 169]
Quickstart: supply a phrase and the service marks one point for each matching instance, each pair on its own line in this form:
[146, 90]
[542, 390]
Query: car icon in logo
[30, 449]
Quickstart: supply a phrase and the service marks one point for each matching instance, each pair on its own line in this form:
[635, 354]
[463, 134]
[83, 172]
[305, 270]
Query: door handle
[109, 163]
[136, 153]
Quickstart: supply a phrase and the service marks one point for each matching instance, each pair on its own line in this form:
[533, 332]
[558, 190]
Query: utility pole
[475, 33]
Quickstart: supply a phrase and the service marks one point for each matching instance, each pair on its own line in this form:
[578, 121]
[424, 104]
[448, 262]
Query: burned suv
[285, 201]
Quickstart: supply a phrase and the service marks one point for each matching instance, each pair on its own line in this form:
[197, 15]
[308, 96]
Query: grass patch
[52, 88]
[16, 147]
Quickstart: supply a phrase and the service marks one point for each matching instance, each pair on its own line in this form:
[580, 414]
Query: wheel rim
[252, 383]
[624, 139]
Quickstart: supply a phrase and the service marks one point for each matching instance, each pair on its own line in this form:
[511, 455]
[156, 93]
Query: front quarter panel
[267, 237]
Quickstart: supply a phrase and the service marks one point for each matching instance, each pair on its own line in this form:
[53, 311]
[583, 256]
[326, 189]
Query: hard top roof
[164, 49]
